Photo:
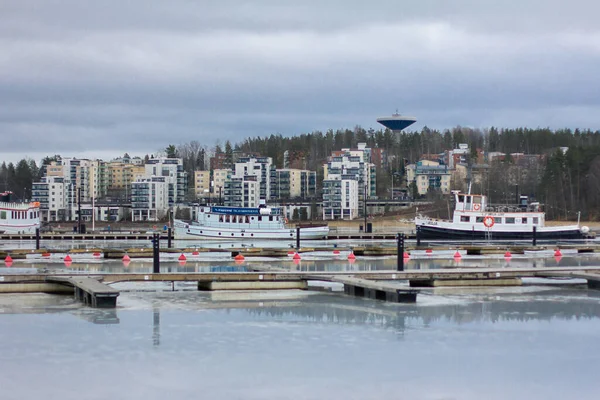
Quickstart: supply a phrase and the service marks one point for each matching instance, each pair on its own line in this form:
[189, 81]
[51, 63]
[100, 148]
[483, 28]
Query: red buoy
[557, 253]
[8, 259]
[297, 257]
[239, 257]
[507, 254]
[96, 254]
[126, 258]
[406, 255]
[196, 253]
[336, 252]
[68, 263]
[351, 256]
[8, 263]
[457, 254]
[182, 257]
[291, 253]
[126, 262]
[68, 258]
[428, 251]
[46, 254]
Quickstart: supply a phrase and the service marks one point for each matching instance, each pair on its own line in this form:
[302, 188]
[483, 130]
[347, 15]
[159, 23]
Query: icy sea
[531, 342]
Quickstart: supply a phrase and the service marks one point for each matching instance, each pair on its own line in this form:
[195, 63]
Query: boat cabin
[469, 202]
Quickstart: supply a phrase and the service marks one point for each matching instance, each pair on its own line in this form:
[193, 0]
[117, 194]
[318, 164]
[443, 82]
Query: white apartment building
[340, 199]
[260, 167]
[56, 197]
[150, 198]
[345, 166]
[172, 170]
[242, 192]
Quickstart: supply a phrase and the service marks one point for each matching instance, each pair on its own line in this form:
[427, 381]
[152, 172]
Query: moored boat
[243, 223]
[18, 217]
[474, 218]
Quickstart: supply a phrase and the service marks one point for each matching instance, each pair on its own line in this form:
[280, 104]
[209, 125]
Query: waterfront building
[263, 169]
[294, 183]
[344, 166]
[429, 175]
[201, 183]
[172, 170]
[56, 196]
[151, 197]
[219, 177]
[242, 192]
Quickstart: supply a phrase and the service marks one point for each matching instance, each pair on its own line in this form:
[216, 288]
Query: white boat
[243, 223]
[474, 218]
[18, 218]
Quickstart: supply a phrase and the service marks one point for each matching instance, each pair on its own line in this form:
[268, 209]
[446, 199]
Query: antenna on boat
[469, 188]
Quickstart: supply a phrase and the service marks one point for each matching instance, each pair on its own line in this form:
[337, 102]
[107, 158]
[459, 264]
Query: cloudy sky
[100, 78]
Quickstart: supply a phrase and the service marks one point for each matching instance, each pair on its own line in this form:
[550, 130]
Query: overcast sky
[101, 78]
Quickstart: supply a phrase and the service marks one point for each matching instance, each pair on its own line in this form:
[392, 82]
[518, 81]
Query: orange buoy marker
[351, 256]
[196, 253]
[336, 252]
[291, 253]
[182, 257]
[126, 258]
[406, 255]
[557, 253]
[96, 254]
[46, 254]
[507, 254]
[68, 258]
[457, 254]
[239, 257]
[8, 259]
[428, 251]
[297, 257]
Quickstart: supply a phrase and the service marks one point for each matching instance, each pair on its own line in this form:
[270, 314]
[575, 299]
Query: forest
[564, 181]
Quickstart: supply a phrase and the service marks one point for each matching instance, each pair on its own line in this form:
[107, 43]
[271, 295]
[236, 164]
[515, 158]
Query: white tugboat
[243, 223]
[18, 218]
[474, 218]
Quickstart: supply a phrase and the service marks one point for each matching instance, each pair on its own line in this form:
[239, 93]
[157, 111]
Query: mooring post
[534, 235]
[418, 235]
[297, 238]
[169, 237]
[37, 238]
[400, 255]
[156, 253]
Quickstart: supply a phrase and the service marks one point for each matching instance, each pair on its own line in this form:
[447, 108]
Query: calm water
[519, 343]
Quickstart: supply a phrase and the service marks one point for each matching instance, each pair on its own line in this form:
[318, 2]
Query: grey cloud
[134, 76]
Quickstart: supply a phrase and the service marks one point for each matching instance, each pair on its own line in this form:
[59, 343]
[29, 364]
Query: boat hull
[436, 232]
[190, 231]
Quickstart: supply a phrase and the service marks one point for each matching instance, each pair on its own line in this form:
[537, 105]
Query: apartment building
[294, 183]
[242, 192]
[263, 169]
[150, 198]
[429, 175]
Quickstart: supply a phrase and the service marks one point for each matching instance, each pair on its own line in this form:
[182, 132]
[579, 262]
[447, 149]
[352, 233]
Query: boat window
[524, 220]
[247, 220]
[478, 219]
[220, 218]
[465, 218]
[477, 199]
[270, 218]
[469, 199]
[227, 219]
[497, 220]
[461, 198]
[2, 214]
[536, 220]
[233, 219]
[510, 220]
[260, 218]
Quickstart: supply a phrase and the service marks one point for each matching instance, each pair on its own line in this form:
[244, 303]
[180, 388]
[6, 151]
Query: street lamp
[207, 191]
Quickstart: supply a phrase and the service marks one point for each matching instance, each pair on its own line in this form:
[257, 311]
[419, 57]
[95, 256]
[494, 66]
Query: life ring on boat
[476, 207]
[488, 221]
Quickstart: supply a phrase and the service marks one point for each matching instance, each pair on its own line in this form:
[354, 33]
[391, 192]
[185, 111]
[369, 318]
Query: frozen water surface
[518, 343]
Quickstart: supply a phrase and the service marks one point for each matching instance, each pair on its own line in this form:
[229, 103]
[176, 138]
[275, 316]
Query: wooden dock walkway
[89, 290]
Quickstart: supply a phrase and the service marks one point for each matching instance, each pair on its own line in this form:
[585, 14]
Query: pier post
[156, 253]
[169, 237]
[418, 236]
[37, 238]
[400, 252]
[297, 238]
[535, 235]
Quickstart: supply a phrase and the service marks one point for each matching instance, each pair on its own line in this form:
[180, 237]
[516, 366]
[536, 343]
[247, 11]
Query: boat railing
[426, 218]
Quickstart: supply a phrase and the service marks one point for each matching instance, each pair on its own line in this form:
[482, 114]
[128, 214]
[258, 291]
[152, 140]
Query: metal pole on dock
[37, 238]
[169, 237]
[297, 238]
[400, 252]
[79, 209]
[156, 253]
[418, 235]
[535, 235]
